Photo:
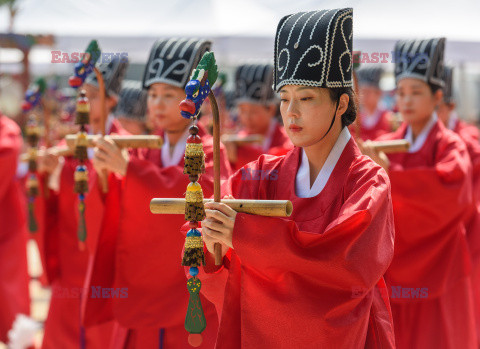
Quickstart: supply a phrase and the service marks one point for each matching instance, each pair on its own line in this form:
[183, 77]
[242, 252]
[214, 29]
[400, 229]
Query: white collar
[302, 180]
[178, 150]
[422, 137]
[369, 121]
[269, 136]
[452, 121]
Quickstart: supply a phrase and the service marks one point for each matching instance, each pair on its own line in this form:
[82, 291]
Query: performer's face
[307, 113]
[134, 127]
[255, 118]
[369, 97]
[162, 107]
[415, 100]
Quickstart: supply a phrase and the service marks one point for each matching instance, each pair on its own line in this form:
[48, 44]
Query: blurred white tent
[241, 29]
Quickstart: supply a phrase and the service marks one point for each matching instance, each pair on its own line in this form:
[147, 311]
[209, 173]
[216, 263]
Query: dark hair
[434, 88]
[351, 113]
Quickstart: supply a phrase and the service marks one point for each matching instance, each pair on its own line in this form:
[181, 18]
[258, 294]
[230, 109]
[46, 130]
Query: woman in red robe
[257, 108]
[14, 297]
[432, 193]
[143, 257]
[66, 262]
[315, 279]
[470, 135]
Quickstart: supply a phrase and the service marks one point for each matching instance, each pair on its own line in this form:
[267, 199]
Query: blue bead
[193, 271]
[81, 197]
[194, 232]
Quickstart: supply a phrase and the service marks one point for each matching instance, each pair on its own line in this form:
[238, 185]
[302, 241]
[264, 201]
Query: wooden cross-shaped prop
[81, 141]
[82, 69]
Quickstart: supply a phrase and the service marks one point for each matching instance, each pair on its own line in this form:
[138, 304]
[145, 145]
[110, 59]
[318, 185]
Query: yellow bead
[194, 187]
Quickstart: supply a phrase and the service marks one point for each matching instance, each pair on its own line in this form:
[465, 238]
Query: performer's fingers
[100, 155]
[212, 234]
[107, 145]
[98, 165]
[219, 216]
[110, 142]
[210, 243]
[228, 211]
[217, 226]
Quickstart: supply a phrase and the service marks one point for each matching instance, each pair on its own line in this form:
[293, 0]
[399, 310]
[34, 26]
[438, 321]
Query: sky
[457, 20]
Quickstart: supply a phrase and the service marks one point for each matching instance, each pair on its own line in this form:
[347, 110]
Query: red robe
[382, 127]
[315, 279]
[279, 145]
[431, 191]
[144, 258]
[14, 296]
[66, 265]
[470, 135]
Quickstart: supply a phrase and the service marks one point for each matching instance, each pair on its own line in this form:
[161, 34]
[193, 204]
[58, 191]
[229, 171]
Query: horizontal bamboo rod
[270, 208]
[132, 141]
[393, 146]
[57, 151]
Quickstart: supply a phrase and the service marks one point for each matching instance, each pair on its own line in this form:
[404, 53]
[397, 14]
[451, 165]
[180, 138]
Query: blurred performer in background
[140, 253]
[257, 108]
[132, 107]
[430, 276]
[470, 135]
[14, 296]
[66, 260]
[373, 120]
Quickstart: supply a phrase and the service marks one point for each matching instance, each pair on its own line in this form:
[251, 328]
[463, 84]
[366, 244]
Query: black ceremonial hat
[172, 60]
[113, 74]
[133, 101]
[314, 49]
[253, 83]
[420, 59]
[370, 76]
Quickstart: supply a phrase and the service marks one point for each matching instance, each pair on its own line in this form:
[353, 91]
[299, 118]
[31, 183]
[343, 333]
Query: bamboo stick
[216, 165]
[103, 175]
[46, 121]
[269, 208]
[132, 141]
[393, 146]
[57, 151]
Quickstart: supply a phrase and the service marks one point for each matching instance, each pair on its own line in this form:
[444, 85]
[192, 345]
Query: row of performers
[367, 233]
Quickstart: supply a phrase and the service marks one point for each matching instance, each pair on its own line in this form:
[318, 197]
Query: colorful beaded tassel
[193, 255]
[33, 136]
[81, 172]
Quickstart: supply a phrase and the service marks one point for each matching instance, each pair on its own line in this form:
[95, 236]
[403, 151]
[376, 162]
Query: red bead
[193, 225]
[26, 106]
[194, 139]
[74, 81]
[195, 339]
